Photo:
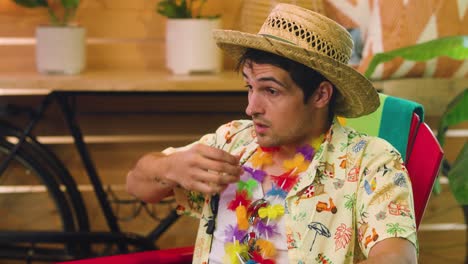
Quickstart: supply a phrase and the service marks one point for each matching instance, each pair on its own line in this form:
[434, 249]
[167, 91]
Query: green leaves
[458, 176]
[171, 9]
[455, 47]
[186, 8]
[69, 6]
[32, 3]
[456, 112]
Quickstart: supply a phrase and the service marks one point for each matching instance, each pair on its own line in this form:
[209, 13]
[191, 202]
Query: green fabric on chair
[396, 122]
[391, 121]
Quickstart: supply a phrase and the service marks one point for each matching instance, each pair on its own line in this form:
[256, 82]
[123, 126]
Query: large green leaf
[456, 113]
[458, 176]
[455, 47]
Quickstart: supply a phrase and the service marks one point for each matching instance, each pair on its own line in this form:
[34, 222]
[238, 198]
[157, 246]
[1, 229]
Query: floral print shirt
[355, 193]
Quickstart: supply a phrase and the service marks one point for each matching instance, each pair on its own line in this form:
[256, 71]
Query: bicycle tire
[50, 161]
[23, 181]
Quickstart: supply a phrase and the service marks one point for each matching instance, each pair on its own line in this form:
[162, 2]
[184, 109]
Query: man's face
[276, 106]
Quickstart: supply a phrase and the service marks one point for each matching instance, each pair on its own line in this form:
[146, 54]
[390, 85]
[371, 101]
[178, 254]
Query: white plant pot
[60, 50]
[190, 47]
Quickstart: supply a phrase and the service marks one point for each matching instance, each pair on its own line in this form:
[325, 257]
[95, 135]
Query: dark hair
[306, 78]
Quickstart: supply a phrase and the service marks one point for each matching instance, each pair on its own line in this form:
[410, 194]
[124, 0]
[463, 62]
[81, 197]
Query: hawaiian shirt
[355, 193]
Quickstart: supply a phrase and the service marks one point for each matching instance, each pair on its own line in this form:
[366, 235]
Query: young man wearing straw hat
[291, 185]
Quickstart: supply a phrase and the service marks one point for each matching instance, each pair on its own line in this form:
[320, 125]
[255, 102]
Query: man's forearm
[147, 182]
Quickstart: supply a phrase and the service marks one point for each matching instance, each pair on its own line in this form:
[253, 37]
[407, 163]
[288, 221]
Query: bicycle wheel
[48, 160]
[30, 200]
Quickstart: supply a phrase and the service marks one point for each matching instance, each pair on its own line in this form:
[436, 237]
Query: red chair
[181, 255]
[421, 150]
[423, 164]
[423, 159]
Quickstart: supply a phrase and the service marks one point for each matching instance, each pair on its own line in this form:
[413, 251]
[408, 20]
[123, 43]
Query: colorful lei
[249, 241]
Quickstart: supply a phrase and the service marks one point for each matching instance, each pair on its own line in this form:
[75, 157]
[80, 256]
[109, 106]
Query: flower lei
[248, 242]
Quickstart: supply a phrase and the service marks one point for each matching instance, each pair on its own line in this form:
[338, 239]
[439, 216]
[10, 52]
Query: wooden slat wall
[121, 34]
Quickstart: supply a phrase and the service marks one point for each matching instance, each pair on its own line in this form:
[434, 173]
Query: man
[292, 185]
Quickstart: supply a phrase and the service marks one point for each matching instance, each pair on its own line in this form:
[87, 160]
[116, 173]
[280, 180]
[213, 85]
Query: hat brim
[356, 97]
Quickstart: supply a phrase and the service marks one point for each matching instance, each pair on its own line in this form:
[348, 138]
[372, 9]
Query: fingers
[216, 154]
[209, 182]
[206, 182]
[205, 169]
[219, 167]
[214, 177]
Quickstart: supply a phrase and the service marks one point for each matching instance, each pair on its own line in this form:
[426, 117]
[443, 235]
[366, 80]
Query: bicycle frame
[83, 236]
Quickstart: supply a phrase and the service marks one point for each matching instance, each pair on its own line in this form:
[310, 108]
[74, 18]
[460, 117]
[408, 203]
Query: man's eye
[272, 91]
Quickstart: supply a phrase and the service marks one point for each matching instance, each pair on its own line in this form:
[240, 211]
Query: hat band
[277, 38]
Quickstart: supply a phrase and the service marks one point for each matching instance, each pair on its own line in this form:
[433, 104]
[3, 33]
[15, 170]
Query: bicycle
[24, 160]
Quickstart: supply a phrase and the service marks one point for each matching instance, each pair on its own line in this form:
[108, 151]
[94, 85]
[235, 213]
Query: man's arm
[392, 250]
[201, 168]
[393, 188]
[146, 180]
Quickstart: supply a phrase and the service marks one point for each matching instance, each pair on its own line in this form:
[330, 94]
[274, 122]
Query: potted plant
[190, 47]
[60, 45]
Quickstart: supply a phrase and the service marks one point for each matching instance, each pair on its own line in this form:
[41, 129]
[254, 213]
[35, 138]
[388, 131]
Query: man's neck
[288, 151]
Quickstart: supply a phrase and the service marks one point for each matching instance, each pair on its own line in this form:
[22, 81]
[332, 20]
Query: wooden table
[31, 83]
[433, 94]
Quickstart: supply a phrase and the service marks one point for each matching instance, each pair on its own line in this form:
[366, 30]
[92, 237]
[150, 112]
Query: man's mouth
[260, 128]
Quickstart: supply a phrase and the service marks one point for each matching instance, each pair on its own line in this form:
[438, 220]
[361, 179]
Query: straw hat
[315, 41]
[254, 12]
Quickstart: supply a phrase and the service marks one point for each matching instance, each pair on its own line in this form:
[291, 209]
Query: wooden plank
[129, 55]
[17, 59]
[108, 18]
[108, 81]
[175, 104]
[433, 93]
[442, 247]
[144, 55]
[17, 21]
[123, 23]
[443, 208]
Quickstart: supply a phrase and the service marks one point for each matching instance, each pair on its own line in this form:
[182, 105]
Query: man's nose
[255, 106]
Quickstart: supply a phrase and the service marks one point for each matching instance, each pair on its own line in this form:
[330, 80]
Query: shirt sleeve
[384, 206]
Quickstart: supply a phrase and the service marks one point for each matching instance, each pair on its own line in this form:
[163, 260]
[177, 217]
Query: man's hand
[203, 168]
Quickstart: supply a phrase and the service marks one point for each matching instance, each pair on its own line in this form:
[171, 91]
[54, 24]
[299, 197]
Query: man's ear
[322, 95]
